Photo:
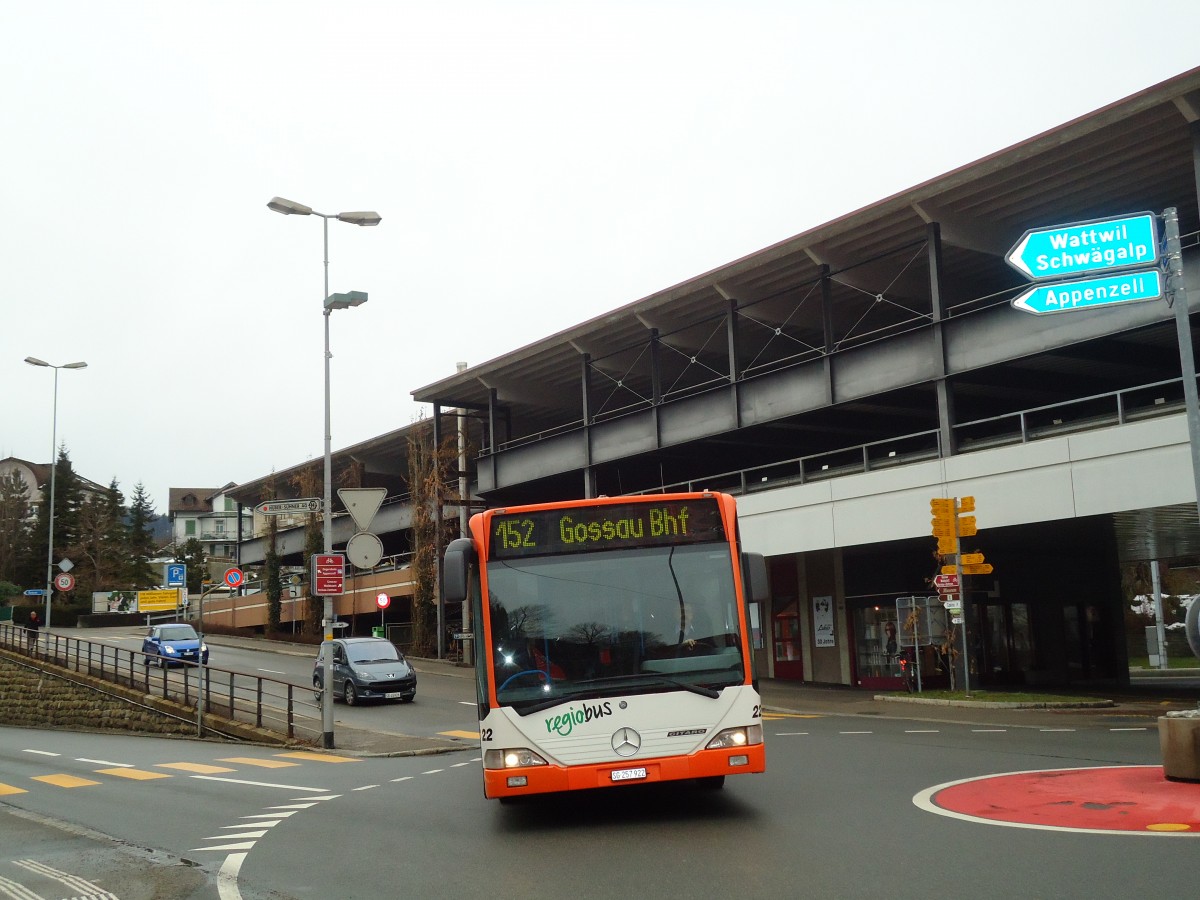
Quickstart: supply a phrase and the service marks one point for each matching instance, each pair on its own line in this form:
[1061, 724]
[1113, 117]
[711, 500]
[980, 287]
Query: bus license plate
[628, 774]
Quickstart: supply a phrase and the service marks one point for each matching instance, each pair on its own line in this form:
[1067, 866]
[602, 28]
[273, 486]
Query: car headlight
[170, 651]
[513, 758]
[732, 738]
[204, 648]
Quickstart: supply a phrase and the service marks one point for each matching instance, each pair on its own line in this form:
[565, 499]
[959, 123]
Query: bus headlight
[513, 758]
[732, 738]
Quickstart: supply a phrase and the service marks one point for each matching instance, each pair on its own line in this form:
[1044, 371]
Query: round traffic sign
[364, 549]
[382, 600]
[233, 577]
[64, 581]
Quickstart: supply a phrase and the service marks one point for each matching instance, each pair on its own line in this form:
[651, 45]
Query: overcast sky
[535, 164]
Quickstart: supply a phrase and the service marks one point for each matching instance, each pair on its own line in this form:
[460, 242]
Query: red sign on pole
[382, 601]
[946, 584]
[328, 574]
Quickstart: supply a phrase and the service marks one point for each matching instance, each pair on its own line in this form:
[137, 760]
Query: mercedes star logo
[626, 742]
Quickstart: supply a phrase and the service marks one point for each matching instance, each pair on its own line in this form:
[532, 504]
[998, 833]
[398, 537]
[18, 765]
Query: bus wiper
[652, 681]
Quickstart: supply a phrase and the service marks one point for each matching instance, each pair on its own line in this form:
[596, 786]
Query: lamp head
[360, 218]
[345, 301]
[289, 207]
[75, 365]
[34, 361]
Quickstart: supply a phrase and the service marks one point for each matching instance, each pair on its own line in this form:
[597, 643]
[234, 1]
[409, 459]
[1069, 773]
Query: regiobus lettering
[613, 643]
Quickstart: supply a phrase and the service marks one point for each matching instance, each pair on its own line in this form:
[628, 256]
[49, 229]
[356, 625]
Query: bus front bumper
[705, 764]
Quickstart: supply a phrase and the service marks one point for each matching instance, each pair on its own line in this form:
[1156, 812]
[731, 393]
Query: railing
[1146, 401]
[268, 703]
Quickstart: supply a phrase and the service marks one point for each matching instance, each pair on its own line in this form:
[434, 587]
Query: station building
[838, 381]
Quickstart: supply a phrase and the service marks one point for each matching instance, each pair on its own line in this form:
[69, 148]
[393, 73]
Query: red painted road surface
[1119, 799]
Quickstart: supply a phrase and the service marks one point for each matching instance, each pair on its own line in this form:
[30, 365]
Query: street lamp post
[34, 361]
[330, 303]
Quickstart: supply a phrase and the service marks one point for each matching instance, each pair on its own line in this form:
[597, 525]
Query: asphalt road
[843, 812]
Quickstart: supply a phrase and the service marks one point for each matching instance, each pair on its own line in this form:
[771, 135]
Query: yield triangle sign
[362, 504]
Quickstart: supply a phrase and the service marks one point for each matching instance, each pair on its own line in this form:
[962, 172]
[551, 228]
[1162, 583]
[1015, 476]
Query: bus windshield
[620, 621]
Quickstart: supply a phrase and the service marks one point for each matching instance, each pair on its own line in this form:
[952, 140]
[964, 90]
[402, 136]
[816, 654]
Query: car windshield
[633, 620]
[372, 651]
[177, 633]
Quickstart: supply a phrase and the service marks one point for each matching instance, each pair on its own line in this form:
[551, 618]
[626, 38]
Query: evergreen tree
[140, 575]
[99, 552]
[274, 584]
[309, 482]
[68, 499]
[16, 538]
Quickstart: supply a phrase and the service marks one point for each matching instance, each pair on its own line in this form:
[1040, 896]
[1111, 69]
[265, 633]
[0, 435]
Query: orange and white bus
[614, 646]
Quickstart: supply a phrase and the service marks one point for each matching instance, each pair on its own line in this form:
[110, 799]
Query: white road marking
[245, 845]
[286, 787]
[43, 753]
[791, 734]
[94, 892]
[104, 762]
[922, 731]
[1143, 728]
[272, 671]
[244, 836]
[18, 891]
[405, 778]
[227, 887]
[989, 730]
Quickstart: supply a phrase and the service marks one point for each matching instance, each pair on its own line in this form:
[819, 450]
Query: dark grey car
[366, 668]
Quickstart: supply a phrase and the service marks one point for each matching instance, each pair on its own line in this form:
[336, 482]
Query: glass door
[789, 663]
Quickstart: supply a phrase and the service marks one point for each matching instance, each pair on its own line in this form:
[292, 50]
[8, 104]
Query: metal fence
[282, 707]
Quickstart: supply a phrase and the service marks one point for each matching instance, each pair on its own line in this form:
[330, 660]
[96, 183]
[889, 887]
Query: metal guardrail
[1133, 404]
[283, 707]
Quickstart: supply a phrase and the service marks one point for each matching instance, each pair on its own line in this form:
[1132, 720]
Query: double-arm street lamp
[34, 361]
[330, 303]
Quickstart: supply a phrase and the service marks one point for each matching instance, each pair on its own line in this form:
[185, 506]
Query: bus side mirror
[454, 571]
[754, 569]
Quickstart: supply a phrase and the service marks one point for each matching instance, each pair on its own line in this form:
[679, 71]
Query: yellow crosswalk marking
[261, 763]
[66, 781]
[133, 774]
[9, 789]
[770, 717]
[318, 757]
[469, 735]
[198, 768]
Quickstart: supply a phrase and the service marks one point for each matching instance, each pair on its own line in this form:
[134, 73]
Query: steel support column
[585, 385]
[945, 398]
[731, 336]
[827, 331]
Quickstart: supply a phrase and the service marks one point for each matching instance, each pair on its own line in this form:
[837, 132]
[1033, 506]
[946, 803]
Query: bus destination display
[609, 527]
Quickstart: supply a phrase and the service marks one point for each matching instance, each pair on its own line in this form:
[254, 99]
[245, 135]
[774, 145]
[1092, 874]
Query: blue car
[171, 643]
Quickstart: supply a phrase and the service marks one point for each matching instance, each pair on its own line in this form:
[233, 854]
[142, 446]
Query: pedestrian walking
[31, 630]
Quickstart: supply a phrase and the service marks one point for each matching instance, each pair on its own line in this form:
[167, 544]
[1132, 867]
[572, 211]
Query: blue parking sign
[176, 575]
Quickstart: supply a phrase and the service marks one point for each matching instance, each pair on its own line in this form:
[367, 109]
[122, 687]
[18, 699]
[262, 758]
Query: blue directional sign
[1084, 247]
[1128, 287]
[176, 575]
[34, 592]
